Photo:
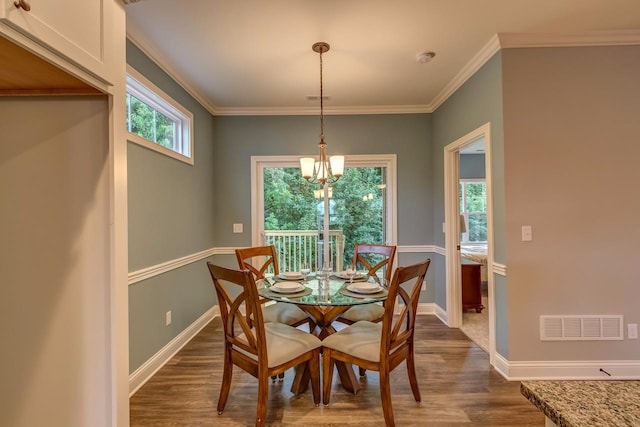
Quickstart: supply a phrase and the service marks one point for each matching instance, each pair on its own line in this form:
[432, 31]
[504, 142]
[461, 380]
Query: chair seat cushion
[284, 343]
[370, 312]
[281, 312]
[362, 340]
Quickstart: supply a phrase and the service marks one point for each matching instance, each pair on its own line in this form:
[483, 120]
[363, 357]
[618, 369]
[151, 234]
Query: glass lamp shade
[307, 165]
[337, 165]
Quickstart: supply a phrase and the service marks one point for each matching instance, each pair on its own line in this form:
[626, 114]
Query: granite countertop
[586, 403]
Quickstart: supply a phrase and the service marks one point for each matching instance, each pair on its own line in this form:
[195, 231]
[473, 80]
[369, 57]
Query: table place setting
[289, 288]
[363, 290]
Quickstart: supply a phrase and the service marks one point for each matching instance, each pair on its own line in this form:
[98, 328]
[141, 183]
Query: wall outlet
[167, 318]
[424, 285]
[632, 331]
[527, 235]
[238, 228]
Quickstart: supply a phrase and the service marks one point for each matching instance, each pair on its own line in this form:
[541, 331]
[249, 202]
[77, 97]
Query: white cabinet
[78, 32]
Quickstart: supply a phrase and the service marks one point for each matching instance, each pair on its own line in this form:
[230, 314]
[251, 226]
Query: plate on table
[364, 288]
[357, 276]
[287, 287]
[291, 275]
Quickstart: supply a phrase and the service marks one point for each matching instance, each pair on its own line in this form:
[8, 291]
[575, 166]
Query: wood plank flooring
[457, 385]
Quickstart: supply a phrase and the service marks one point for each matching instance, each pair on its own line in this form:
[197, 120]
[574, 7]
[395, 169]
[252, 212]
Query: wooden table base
[324, 317]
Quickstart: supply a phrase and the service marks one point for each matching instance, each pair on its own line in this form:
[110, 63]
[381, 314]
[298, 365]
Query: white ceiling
[255, 57]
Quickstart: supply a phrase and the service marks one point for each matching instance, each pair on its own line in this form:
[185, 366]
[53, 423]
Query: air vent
[317, 97]
[574, 328]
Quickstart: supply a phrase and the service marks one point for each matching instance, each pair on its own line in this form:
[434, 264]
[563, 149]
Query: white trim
[593, 38]
[499, 269]
[328, 111]
[470, 68]
[158, 360]
[495, 44]
[258, 163]
[452, 226]
[150, 94]
[154, 270]
[417, 249]
[441, 314]
[161, 61]
[567, 370]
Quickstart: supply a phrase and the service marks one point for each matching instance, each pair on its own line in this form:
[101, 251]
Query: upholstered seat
[373, 258]
[262, 349]
[381, 346]
[258, 260]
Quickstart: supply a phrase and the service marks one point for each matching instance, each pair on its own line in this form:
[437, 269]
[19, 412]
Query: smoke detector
[425, 57]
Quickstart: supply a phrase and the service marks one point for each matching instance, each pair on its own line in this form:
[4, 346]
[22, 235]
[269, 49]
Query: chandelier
[325, 170]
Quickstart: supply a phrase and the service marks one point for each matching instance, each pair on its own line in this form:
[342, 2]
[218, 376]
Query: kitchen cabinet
[75, 35]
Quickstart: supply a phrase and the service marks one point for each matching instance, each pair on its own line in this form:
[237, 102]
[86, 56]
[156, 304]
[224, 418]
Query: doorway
[472, 141]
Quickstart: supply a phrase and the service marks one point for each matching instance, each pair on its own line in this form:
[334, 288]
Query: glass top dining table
[338, 293]
[325, 304]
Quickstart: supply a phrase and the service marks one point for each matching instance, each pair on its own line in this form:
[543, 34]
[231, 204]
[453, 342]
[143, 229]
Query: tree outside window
[473, 206]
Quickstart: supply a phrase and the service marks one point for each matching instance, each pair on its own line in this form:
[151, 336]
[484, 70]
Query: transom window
[473, 206]
[157, 121]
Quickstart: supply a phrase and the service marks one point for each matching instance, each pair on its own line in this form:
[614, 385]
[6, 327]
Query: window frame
[148, 93]
[464, 237]
[259, 163]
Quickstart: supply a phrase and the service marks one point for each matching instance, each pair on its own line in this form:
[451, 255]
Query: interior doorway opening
[475, 140]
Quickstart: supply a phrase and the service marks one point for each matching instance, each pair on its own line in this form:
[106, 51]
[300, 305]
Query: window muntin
[473, 206]
[157, 121]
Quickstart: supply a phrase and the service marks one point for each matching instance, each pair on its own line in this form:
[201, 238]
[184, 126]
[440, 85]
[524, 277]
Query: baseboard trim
[441, 314]
[568, 370]
[141, 375]
[426, 308]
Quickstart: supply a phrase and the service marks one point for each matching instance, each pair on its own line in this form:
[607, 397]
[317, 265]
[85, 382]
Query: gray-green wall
[571, 126]
[472, 166]
[406, 135]
[477, 102]
[171, 215]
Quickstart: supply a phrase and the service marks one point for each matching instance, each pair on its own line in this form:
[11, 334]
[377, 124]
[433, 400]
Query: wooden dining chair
[258, 259]
[264, 350]
[381, 346]
[373, 258]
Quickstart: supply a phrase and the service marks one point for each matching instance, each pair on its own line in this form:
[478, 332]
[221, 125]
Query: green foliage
[149, 123]
[473, 202]
[357, 205]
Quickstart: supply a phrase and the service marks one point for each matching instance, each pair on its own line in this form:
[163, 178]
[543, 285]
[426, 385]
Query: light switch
[526, 233]
[444, 227]
[237, 228]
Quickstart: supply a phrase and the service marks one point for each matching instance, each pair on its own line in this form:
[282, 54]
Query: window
[289, 212]
[156, 121]
[473, 206]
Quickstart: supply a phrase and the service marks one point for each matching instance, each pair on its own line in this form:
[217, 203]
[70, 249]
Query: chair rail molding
[155, 270]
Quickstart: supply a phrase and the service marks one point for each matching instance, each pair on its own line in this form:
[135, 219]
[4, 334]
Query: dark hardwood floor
[457, 385]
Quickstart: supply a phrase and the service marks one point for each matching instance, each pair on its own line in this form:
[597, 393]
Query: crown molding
[162, 62]
[328, 111]
[593, 38]
[470, 68]
[496, 43]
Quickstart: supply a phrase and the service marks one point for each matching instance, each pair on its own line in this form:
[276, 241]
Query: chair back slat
[397, 330]
[258, 259]
[374, 258]
[238, 300]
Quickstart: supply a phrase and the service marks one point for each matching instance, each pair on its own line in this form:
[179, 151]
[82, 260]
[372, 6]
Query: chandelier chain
[321, 101]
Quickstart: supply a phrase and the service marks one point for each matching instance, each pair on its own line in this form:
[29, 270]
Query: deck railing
[295, 247]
